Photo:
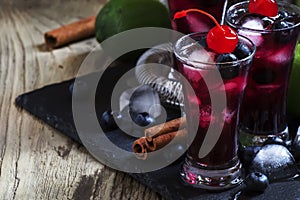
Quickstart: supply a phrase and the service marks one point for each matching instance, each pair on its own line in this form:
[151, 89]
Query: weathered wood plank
[37, 162]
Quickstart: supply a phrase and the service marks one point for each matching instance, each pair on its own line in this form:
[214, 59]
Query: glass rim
[280, 4]
[190, 62]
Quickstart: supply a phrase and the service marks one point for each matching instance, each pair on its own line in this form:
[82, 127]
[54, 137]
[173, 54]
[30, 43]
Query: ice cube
[253, 23]
[199, 56]
[275, 161]
[145, 99]
[255, 37]
[140, 107]
[256, 21]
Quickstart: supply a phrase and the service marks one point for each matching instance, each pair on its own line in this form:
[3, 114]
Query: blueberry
[227, 71]
[144, 101]
[283, 35]
[267, 22]
[256, 182]
[226, 57]
[282, 24]
[264, 76]
[283, 14]
[242, 51]
[275, 140]
[107, 120]
[142, 119]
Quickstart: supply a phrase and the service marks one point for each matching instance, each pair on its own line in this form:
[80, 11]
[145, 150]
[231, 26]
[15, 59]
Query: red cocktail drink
[218, 81]
[263, 111]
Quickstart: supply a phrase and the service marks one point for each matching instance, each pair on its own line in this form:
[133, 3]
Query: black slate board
[52, 104]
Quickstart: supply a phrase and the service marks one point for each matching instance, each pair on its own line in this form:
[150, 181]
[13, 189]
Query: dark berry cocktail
[274, 28]
[195, 22]
[216, 75]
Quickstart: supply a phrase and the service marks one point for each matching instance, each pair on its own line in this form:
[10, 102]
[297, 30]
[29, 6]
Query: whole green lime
[120, 15]
[293, 105]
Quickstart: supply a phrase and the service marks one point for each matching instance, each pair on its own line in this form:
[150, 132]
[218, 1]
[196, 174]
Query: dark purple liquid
[264, 105]
[195, 22]
[263, 110]
[226, 147]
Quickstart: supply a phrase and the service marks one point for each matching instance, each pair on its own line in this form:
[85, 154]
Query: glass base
[250, 139]
[216, 178]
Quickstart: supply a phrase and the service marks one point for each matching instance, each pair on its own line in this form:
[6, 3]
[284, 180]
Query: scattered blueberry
[142, 119]
[242, 51]
[256, 182]
[264, 76]
[107, 120]
[227, 71]
[274, 140]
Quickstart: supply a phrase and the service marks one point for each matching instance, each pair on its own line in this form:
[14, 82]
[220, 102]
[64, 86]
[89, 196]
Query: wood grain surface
[37, 162]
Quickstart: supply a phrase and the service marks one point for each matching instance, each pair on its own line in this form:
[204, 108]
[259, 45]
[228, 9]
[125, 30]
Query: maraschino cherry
[267, 8]
[221, 38]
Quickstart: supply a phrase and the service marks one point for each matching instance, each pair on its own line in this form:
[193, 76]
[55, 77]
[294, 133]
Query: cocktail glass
[263, 110]
[212, 161]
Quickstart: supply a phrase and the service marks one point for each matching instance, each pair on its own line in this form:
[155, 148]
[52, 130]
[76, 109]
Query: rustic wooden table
[37, 162]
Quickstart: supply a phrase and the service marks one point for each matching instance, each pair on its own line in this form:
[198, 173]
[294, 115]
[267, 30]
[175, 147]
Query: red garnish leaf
[222, 40]
[267, 8]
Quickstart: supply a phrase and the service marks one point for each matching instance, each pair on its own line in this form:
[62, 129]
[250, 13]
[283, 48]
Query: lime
[121, 15]
[293, 107]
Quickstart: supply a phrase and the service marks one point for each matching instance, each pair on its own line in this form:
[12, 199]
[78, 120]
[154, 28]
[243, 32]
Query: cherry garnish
[267, 8]
[221, 38]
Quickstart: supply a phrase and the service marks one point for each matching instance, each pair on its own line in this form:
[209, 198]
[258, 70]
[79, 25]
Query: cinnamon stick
[166, 127]
[70, 33]
[140, 148]
[159, 136]
[162, 140]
